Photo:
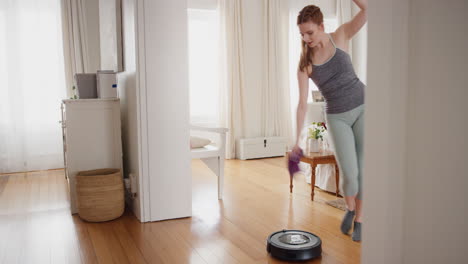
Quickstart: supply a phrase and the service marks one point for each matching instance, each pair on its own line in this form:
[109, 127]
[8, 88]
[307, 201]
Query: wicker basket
[100, 194]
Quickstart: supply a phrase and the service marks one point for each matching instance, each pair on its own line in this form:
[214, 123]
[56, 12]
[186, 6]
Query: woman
[325, 59]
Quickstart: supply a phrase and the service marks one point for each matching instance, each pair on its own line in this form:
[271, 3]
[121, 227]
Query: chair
[213, 156]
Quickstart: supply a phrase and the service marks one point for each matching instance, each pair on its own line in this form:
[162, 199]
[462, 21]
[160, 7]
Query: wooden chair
[213, 156]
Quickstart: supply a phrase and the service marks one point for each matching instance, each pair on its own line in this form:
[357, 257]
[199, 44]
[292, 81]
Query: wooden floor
[36, 226]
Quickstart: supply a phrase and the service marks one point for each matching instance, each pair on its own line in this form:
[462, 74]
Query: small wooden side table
[314, 159]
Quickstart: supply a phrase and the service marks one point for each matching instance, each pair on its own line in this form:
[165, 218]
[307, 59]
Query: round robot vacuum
[294, 245]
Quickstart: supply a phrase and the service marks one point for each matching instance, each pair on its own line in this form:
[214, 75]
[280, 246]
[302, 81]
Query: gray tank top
[338, 83]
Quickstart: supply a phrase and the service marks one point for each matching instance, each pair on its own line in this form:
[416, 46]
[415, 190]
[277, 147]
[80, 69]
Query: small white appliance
[107, 84]
[86, 84]
[262, 147]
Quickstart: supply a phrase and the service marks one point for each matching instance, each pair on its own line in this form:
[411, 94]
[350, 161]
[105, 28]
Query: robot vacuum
[294, 245]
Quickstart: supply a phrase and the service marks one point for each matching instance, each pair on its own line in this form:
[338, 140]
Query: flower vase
[314, 145]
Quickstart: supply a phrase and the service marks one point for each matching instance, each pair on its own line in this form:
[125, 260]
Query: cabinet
[91, 138]
[253, 148]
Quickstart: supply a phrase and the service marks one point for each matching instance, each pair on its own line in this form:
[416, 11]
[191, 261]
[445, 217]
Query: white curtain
[75, 43]
[274, 94]
[276, 114]
[232, 73]
[31, 85]
[344, 14]
[345, 10]
[360, 50]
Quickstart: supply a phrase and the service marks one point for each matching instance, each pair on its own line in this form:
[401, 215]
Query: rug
[338, 203]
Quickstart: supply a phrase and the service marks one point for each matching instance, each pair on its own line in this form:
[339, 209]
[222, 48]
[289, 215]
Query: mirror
[110, 33]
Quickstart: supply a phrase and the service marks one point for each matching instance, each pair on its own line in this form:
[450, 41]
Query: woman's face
[311, 33]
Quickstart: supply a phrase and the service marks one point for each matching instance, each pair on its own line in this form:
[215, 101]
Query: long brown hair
[308, 13]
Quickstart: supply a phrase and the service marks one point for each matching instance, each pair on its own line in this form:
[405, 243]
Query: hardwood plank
[172, 248]
[34, 215]
[140, 236]
[3, 183]
[36, 250]
[105, 243]
[87, 254]
[204, 240]
[258, 198]
[16, 233]
[64, 245]
[132, 252]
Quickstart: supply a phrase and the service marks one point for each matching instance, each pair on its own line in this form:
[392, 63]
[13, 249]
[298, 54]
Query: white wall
[436, 201]
[385, 129]
[155, 107]
[416, 150]
[162, 68]
[128, 98]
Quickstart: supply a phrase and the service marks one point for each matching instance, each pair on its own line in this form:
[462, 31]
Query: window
[32, 85]
[203, 29]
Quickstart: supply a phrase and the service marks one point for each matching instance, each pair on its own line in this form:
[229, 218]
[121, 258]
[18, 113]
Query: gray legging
[347, 133]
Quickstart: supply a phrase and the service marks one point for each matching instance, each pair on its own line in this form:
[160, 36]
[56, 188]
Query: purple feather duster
[293, 162]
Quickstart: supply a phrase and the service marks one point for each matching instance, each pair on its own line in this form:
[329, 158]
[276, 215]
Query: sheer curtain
[77, 55]
[232, 73]
[275, 95]
[31, 85]
[345, 11]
